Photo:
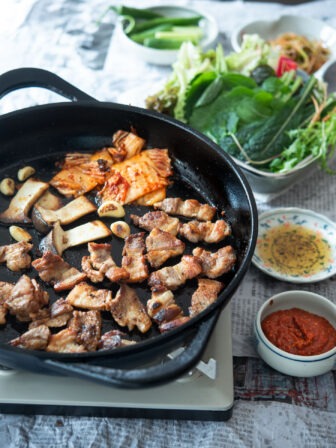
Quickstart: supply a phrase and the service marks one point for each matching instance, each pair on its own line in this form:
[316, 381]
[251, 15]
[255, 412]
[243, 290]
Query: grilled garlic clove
[111, 209]
[19, 234]
[120, 229]
[25, 172]
[7, 186]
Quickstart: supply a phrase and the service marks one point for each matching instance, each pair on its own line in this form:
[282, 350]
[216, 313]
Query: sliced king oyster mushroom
[22, 202]
[58, 240]
[44, 219]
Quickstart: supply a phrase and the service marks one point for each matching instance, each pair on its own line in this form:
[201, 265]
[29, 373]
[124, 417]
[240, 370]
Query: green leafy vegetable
[273, 123]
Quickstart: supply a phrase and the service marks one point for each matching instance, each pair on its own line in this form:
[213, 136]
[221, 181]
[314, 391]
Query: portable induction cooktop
[205, 393]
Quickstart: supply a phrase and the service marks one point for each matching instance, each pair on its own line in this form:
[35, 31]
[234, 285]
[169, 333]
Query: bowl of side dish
[156, 39]
[296, 245]
[315, 39]
[295, 333]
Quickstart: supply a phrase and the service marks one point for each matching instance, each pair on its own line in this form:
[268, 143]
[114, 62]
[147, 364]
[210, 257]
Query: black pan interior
[41, 136]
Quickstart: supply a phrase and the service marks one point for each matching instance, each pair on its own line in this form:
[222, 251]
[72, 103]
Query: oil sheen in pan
[183, 185]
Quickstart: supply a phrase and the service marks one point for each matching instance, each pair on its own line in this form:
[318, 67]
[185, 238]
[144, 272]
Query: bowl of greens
[156, 34]
[276, 125]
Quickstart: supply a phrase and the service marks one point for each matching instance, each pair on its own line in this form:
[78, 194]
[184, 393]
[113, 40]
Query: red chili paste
[299, 332]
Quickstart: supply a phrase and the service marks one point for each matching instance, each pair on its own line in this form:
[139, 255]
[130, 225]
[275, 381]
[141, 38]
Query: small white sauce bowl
[167, 57]
[284, 362]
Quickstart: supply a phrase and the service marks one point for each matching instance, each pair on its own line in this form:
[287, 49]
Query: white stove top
[206, 393]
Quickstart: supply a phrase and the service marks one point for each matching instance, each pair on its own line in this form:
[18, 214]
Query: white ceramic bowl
[295, 365]
[308, 219]
[304, 26]
[167, 57]
[273, 184]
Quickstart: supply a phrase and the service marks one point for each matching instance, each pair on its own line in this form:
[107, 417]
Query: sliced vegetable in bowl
[156, 33]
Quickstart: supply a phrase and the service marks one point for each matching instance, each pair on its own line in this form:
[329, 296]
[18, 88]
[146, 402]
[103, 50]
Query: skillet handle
[36, 77]
[143, 377]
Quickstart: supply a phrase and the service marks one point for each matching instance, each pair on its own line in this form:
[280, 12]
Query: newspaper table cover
[271, 410]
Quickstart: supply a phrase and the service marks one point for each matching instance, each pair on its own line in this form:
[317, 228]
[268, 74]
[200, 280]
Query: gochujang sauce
[299, 332]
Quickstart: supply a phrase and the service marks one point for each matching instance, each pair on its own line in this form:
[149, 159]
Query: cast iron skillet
[41, 135]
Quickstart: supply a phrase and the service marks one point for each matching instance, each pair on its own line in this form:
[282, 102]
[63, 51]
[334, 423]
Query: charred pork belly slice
[215, 264]
[190, 208]
[65, 341]
[172, 324]
[16, 255]
[133, 258]
[210, 232]
[125, 145]
[206, 293]
[163, 308]
[57, 316]
[54, 270]
[128, 311]
[114, 339]
[35, 339]
[5, 292]
[161, 246]
[157, 219]
[26, 299]
[88, 297]
[101, 263]
[172, 277]
[87, 326]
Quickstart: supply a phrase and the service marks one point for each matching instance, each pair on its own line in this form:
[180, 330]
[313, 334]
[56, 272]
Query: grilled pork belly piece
[82, 335]
[128, 311]
[125, 145]
[190, 208]
[206, 293]
[35, 339]
[88, 297]
[172, 277]
[26, 299]
[65, 341]
[16, 255]
[100, 263]
[133, 258]
[163, 308]
[161, 246]
[56, 316]
[114, 339]
[54, 270]
[215, 264]
[158, 219]
[5, 292]
[87, 325]
[209, 232]
[172, 324]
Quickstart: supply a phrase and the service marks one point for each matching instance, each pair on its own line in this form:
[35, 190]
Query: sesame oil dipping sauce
[292, 249]
[296, 245]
